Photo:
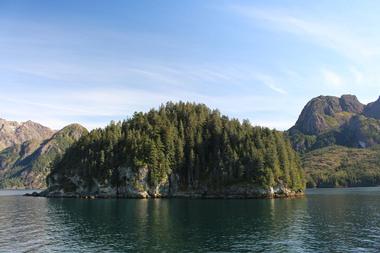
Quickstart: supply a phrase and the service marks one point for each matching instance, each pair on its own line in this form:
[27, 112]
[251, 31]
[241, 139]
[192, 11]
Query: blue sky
[95, 61]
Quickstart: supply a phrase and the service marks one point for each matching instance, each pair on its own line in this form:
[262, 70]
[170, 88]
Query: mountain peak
[350, 103]
[34, 155]
[12, 132]
[327, 112]
[372, 110]
[344, 121]
[73, 130]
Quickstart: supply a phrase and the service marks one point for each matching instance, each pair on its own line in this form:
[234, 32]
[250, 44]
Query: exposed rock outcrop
[372, 110]
[134, 184]
[325, 113]
[328, 120]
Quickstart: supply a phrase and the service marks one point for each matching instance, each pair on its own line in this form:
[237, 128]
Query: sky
[91, 62]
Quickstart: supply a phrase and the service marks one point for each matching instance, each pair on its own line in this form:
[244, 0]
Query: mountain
[330, 129]
[344, 121]
[326, 113]
[372, 110]
[14, 133]
[179, 150]
[31, 149]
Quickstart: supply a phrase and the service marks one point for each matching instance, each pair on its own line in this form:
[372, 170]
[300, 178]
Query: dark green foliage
[199, 145]
[301, 142]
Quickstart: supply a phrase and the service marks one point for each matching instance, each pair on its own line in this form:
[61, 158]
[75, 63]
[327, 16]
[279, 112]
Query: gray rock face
[372, 110]
[350, 103]
[344, 121]
[324, 113]
[134, 184]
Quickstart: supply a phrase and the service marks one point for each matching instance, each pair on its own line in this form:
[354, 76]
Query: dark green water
[327, 220]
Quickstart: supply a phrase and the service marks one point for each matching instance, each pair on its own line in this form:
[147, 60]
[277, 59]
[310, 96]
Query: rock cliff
[344, 121]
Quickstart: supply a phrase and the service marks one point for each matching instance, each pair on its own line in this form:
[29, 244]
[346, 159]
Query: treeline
[190, 140]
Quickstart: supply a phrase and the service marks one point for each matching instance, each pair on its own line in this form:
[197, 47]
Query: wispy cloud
[339, 38]
[97, 106]
[151, 73]
[349, 45]
[357, 74]
[332, 78]
[269, 82]
[71, 74]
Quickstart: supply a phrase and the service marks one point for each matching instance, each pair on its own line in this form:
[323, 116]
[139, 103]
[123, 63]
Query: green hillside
[338, 166]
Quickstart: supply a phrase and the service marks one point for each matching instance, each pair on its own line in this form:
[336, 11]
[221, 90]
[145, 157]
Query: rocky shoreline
[253, 194]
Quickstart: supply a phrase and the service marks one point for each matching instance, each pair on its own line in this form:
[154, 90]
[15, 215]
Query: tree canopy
[196, 143]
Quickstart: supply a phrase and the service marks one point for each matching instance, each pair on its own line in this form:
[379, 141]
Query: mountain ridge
[315, 117]
[329, 120]
[29, 150]
[338, 140]
[13, 132]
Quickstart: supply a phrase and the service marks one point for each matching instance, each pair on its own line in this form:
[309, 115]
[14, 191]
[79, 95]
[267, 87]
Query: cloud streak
[342, 49]
[97, 106]
[344, 41]
[332, 78]
[68, 74]
[270, 83]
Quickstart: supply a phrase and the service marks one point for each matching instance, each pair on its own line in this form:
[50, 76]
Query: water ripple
[336, 222]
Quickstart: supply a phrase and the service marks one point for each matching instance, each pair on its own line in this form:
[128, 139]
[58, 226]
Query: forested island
[178, 150]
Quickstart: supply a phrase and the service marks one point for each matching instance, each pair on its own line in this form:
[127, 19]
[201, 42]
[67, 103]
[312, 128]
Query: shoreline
[175, 196]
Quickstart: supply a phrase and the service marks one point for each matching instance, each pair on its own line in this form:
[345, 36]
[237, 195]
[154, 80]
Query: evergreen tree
[196, 143]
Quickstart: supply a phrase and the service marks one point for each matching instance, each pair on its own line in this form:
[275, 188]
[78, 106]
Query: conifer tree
[190, 140]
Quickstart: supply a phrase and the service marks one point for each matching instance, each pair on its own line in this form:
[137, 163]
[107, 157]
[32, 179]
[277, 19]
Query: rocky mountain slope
[344, 121]
[30, 150]
[337, 139]
[14, 133]
[326, 113]
[372, 110]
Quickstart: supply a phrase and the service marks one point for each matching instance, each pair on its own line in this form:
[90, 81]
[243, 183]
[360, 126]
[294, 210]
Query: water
[327, 220]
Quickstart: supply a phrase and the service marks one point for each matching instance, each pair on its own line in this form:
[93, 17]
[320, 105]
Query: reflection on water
[327, 220]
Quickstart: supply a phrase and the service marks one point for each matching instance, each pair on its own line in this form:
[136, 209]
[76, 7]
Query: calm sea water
[327, 220]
